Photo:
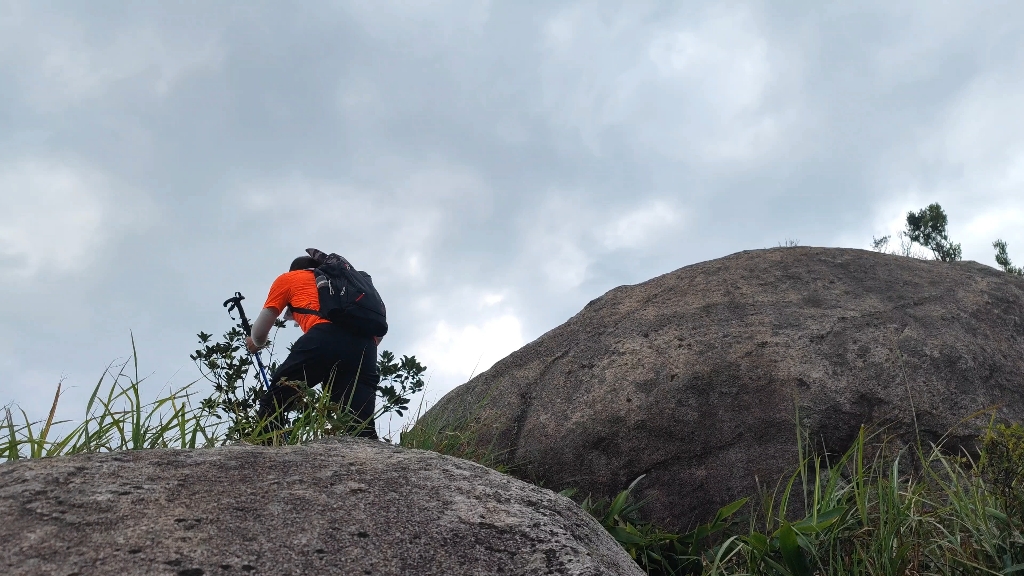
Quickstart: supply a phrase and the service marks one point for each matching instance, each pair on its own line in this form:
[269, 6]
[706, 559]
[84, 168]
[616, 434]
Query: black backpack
[348, 298]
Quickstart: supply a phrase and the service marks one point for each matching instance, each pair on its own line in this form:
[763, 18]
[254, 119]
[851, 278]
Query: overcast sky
[494, 165]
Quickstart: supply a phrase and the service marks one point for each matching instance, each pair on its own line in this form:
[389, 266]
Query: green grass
[117, 418]
[881, 508]
[454, 436]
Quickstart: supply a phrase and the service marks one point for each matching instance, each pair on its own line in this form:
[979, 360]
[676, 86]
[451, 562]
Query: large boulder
[697, 378]
[344, 507]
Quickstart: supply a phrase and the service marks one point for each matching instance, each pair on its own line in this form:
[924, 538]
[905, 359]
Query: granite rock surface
[346, 506]
[697, 378]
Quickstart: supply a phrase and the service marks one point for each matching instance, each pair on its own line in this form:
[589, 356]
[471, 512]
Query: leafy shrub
[1001, 468]
[227, 366]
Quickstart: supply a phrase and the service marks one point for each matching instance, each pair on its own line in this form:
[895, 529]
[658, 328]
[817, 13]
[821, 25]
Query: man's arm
[261, 329]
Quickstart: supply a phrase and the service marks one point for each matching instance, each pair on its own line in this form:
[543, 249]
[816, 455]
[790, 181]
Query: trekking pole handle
[235, 303]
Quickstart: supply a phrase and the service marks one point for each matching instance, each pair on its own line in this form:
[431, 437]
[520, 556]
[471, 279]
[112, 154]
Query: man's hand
[251, 346]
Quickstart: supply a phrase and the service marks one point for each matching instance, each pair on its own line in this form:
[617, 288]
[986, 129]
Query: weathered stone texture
[693, 377]
[345, 507]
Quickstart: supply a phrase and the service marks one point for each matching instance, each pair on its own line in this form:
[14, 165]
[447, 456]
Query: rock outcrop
[694, 377]
[343, 507]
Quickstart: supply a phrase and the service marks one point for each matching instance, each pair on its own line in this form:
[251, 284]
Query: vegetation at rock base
[864, 515]
[459, 439]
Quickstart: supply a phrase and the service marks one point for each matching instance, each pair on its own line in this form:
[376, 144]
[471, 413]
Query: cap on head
[303, 262]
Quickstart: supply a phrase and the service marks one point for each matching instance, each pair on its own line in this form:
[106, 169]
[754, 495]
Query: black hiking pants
[345, 364]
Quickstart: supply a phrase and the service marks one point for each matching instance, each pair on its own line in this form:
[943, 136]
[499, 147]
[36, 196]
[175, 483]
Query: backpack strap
[306, 311]
[353, 329]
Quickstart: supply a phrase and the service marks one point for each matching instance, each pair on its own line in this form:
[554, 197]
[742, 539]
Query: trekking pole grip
[235, 303]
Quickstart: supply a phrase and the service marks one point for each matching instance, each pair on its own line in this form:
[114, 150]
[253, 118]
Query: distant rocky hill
[695, 378]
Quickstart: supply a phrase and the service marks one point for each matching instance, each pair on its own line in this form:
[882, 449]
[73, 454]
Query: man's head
[303, 262]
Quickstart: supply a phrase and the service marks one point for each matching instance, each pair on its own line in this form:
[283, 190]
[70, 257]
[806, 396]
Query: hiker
[340, 354]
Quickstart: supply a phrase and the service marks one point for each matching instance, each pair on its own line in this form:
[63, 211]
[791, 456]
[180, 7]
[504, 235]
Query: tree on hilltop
[927, 227]
[1003, 259]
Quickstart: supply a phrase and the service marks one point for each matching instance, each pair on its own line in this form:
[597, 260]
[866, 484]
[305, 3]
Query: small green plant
[1003, 259]
[1001, 467]
[225, 365]
[461, 436]
[657, 551]
[905, 248]
[880, 244]
[461, 440]
[400, 380]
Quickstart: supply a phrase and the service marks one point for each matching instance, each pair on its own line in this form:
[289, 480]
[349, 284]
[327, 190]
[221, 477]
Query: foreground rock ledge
[344, 506]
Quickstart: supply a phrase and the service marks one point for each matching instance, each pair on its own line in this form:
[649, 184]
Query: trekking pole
[236, 303]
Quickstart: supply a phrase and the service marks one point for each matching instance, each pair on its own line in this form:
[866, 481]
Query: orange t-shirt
[297, 289]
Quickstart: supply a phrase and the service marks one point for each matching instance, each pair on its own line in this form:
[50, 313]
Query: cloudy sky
[494, 164]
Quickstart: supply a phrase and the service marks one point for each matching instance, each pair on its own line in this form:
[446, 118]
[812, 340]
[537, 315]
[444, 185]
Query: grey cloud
[546, 151]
